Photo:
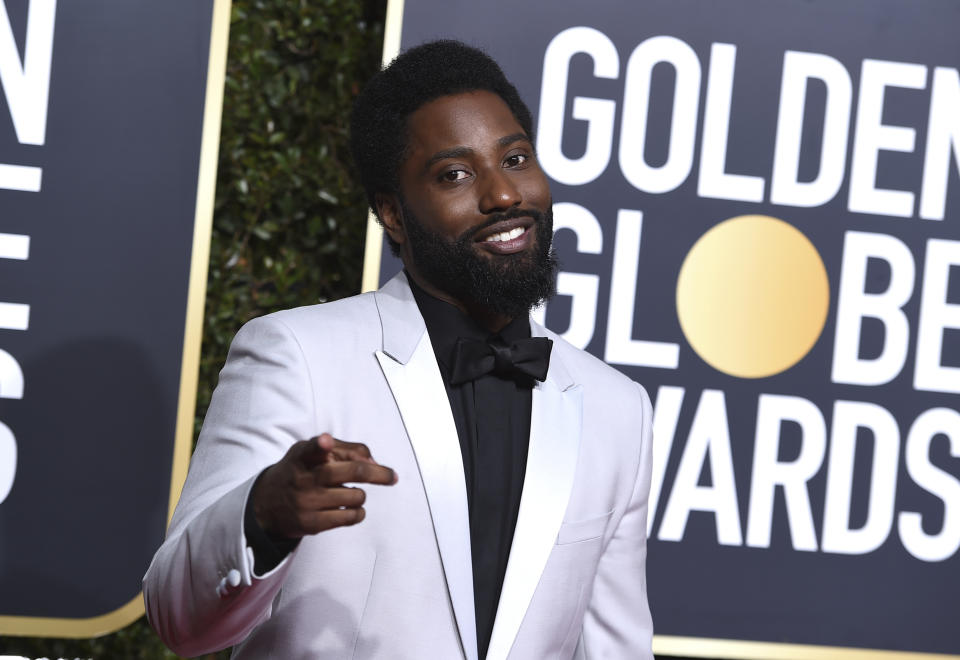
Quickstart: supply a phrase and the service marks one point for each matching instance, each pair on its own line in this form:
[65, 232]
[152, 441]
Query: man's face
[475, 206]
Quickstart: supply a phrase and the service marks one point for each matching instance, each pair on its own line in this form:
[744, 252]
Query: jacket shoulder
[354, 315]
[588, 369]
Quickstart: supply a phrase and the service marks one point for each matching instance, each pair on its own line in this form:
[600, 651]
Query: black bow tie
[521, 360]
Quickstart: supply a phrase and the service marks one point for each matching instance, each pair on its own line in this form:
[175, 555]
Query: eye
[452, 175]
[516, 160]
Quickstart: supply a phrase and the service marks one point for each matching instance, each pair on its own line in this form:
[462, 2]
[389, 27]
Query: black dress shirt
[492, 416]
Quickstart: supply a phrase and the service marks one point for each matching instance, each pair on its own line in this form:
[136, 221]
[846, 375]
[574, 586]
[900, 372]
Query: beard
[507, 284]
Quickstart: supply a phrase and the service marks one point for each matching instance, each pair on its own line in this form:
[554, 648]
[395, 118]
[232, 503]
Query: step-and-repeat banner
[757, 210]
[109, 122]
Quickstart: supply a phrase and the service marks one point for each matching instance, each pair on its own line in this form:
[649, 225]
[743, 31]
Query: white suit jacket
[399, 584]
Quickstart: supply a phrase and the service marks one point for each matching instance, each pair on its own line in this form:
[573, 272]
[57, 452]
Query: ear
[388, 208]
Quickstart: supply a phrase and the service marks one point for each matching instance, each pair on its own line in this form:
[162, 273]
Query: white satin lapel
[551, 465]
[422, 399]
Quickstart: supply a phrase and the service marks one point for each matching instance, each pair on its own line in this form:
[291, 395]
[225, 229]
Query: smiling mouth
[515, 237]
[504, 236]
[508, 233]
[505, 229]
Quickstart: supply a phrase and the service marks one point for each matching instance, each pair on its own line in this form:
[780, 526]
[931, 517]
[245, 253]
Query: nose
[499, 192]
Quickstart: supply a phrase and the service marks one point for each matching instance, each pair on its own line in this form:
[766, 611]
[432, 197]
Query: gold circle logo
[752, 296]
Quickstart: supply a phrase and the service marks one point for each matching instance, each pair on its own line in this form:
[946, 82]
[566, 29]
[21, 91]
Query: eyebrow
[510, 139]
[460, 152]
[456, 152]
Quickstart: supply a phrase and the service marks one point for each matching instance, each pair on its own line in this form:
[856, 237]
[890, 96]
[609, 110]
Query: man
[512, 519]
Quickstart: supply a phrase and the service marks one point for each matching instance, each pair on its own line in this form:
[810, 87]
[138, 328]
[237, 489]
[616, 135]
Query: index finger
[338, 473]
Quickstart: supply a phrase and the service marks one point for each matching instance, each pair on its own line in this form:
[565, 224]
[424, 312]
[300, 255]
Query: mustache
[515, 212]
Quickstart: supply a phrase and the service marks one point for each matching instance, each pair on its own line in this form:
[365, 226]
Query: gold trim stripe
[200, 255]
[734, 649]
[373, 245]
[193, 334]
[74, 628]
[372, 251]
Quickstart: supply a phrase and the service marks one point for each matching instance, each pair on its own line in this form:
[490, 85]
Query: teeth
[505, 235]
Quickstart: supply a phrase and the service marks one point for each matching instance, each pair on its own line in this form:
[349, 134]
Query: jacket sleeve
[618, 622]
[200, 591]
